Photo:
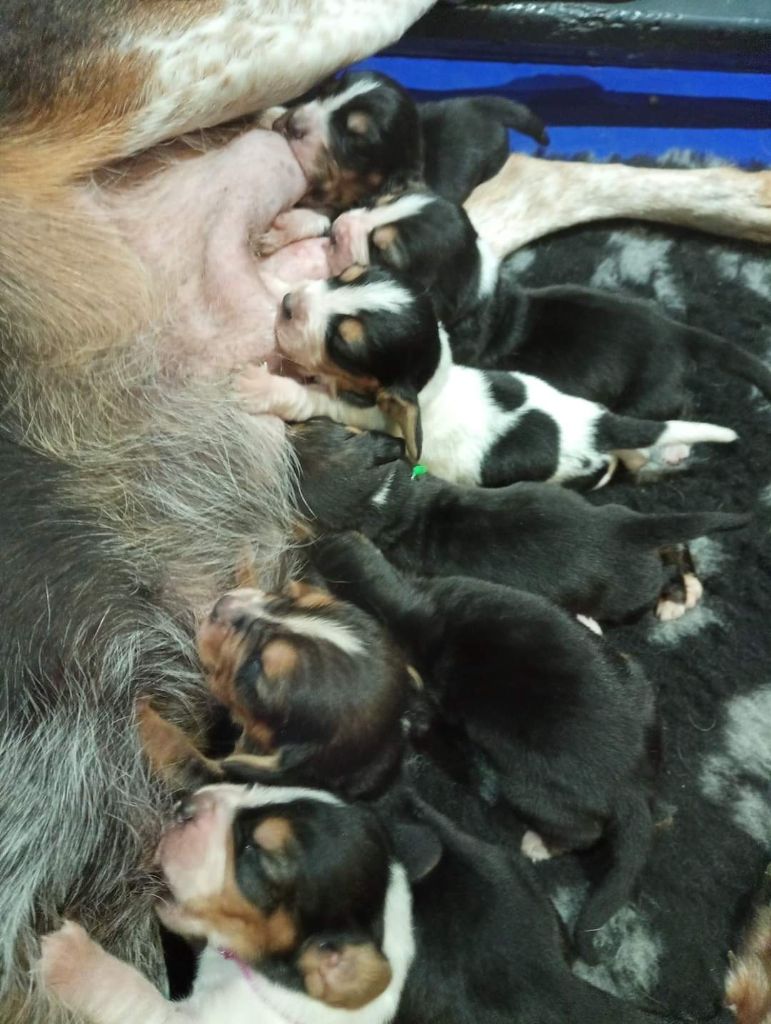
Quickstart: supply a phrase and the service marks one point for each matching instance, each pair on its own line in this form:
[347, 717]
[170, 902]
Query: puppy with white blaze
[305, 915]
[374, 341]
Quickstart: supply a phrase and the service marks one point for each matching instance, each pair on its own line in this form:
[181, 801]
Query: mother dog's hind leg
[531, 197]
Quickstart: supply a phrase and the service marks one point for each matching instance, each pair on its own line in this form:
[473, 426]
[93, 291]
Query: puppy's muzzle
[290, 125]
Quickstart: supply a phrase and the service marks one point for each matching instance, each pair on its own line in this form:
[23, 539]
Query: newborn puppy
[305, 915]
[374, 336]
[495, 952]
[600, 561]
[562, 718]
[317, 686]
[363, 135]
[605, 347]
[364, 131]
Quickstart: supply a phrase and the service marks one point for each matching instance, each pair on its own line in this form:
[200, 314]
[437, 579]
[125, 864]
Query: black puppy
[373, 338]
[605, 347]
[562, 718]
[493, 951]
[600, 561]
[364, 133]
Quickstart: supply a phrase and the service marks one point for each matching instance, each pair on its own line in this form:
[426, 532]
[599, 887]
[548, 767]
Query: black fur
[562, 719]
[602, 561]
[476, 963]
[615, 349]
[452, 145]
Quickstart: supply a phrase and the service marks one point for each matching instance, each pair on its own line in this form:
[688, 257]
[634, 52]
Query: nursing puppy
[304, 912]
[605, 347]
[364, 129]
[563, 720]
[602, 561]
[375, 339]
[363, 135]
[318, 688]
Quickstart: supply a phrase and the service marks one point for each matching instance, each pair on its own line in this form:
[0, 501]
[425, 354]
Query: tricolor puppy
[605, 347]
[603, 561]
[562, 718]
[363, 135]
[375, 338]
[304, 912]
[318, 688]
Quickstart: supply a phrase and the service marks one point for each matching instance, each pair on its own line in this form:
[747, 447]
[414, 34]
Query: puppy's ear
[400, 404]
[344, 974]
[417, 848]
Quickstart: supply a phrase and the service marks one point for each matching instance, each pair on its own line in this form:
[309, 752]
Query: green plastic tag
[418, 470]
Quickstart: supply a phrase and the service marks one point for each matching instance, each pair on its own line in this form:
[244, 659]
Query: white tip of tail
[685, 432]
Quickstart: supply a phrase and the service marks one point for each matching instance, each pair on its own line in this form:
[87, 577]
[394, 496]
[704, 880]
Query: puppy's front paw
[264, 392]
[668, 610]
[67, 958]
[290, 226]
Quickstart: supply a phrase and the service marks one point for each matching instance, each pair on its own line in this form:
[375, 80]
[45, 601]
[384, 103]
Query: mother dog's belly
[192, 222]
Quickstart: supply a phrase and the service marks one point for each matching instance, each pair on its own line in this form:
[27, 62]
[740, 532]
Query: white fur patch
[332, 103]
[736, 776]
[381, 494]
[489, 269]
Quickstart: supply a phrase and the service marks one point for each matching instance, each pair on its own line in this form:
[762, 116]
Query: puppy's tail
[657, 531]
[513, 115]
[728, 356]
[625, 433]
[628, 835]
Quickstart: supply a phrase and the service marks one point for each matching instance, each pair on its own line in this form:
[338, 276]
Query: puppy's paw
[264, 392]
[67, 958]
[668, 610]
[534, 848]
[694, 591]
[590, 623]
[291, 226]
[671, 454]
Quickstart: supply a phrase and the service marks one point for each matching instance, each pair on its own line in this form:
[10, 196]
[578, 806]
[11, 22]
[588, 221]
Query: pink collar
[256, 983]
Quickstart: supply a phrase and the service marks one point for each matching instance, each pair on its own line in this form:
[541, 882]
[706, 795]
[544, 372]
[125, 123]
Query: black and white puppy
[562, 718]
[304, 911]
[603, 561]
[374, 337]
[610, 348]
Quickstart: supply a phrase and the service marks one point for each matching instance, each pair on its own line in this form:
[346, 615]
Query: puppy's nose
[227, 609]
[185, 808]
[287, 304]
[290, 125]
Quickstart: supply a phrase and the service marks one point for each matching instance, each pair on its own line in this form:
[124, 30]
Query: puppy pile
[446, 618]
